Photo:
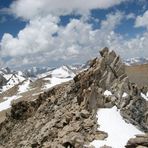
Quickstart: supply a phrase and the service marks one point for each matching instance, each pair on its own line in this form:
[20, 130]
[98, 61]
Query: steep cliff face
[66, 114]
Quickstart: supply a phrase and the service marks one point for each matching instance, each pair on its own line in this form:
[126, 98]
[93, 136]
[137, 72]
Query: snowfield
[62, 72]
[13, 79]
[24, 87]
[119, 132]
[7, 104]
[55, 81]
[58, 76]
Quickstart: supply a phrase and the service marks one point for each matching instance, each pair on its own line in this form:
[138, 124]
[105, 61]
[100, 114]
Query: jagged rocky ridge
[66, 114]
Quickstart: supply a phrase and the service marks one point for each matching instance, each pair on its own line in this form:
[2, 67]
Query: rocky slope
[65, 116]
[138, 74]
[29, 88]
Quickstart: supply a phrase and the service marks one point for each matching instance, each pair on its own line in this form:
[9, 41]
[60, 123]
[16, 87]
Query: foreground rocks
[141, 141]
[56, 121]
[65, 116]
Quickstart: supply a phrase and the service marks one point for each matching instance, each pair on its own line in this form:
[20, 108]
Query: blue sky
[47, 32]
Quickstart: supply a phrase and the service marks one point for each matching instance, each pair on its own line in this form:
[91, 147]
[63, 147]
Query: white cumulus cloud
[45, 41]
[35, 37]
[142, 21]
[28, 9]
[77, 41]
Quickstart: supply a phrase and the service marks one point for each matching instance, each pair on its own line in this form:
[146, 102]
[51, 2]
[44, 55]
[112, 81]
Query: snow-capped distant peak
[35, 71]
[20, 73]
[24, 86]
[5, 71]
[136, 61]
[63, 72]
[11, 80]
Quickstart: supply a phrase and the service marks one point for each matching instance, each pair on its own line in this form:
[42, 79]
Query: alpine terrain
[97, 106]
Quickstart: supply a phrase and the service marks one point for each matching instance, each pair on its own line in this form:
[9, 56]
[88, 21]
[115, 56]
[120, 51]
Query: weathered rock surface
[65, 116]
[141, 141]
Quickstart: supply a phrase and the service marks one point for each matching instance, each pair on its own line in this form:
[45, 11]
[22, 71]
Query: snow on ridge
[7, 104]
[58, 76]
[144, 96]
[107, 93]
[124, 95]
[62, 72]
[24, 86]
[7, 76]
[119, 132]
[55, 81]
[20, 73]
[44, 74]
[147, 94]
[13, 79]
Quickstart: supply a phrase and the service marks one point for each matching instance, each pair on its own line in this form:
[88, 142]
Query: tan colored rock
[100, 135]
[105, 146]
[139, 141]
[84, 114]
[104, 52]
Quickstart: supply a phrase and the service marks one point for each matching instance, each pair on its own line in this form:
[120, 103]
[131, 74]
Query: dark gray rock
[3, 81]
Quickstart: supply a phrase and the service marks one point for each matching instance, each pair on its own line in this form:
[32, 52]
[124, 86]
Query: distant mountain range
[29, 83]
[10, 78]
[136, 61]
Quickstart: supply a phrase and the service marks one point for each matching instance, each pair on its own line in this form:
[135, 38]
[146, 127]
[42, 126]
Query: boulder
[139, 141]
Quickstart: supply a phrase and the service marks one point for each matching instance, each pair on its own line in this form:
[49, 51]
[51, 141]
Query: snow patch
[107, 93]
[13, 80]
[119, 132]
[124, 95]
[44, 74]
[144, 96]
[58, 76]
[24, 87]
[7, 104]
[55, 81]
[36, 94]
[47, 79]
[62, 72]
[147, 94]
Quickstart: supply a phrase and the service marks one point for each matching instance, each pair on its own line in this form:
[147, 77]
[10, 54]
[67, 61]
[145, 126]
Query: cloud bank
[28, 9]
[45, 41]
[142, 21]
